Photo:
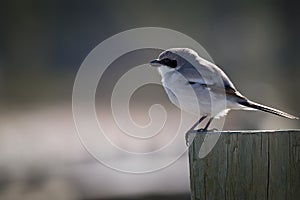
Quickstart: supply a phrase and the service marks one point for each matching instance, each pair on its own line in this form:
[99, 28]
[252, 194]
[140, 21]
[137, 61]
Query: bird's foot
[201, 130]
[190, 135]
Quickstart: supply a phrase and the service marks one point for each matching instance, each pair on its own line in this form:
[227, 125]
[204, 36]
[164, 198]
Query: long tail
[267, 109]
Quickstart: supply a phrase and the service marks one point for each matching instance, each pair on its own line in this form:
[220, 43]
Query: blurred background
[43, 44]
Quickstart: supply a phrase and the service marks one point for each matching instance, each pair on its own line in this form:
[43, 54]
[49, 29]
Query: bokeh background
[43, 43]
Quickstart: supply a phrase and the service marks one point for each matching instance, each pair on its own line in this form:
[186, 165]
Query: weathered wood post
[247, 165]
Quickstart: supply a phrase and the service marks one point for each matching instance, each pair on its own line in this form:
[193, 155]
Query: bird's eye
[168, 62]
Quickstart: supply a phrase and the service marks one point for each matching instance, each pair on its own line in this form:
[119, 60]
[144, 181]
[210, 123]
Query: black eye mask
[168, 62]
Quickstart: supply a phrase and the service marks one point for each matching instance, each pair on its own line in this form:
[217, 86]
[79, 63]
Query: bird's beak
[155, 63]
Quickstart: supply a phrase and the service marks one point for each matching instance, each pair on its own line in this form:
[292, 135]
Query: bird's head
[175, 58]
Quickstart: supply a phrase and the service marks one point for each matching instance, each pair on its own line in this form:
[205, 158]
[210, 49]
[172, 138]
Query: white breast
[195, 99]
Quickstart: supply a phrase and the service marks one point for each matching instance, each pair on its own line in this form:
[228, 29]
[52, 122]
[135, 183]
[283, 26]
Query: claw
[200, 130]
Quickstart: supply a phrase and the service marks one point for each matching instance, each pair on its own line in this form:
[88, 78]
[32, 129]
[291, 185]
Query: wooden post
[247, 165]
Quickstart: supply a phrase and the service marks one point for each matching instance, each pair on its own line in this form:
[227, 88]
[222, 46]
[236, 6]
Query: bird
[200, 87]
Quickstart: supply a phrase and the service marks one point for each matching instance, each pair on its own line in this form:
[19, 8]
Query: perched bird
[200, 87]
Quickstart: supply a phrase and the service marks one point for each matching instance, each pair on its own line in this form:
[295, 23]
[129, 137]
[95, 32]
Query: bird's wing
[209, 75]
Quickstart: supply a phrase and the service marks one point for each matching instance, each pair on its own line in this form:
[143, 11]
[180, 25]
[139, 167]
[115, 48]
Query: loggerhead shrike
[200, 87]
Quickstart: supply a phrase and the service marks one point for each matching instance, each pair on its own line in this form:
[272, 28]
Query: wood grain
[247, 165]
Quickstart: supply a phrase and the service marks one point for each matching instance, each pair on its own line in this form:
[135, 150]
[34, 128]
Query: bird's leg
[187, 138]
[208, 123]
[198, 122]
[206, 126]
